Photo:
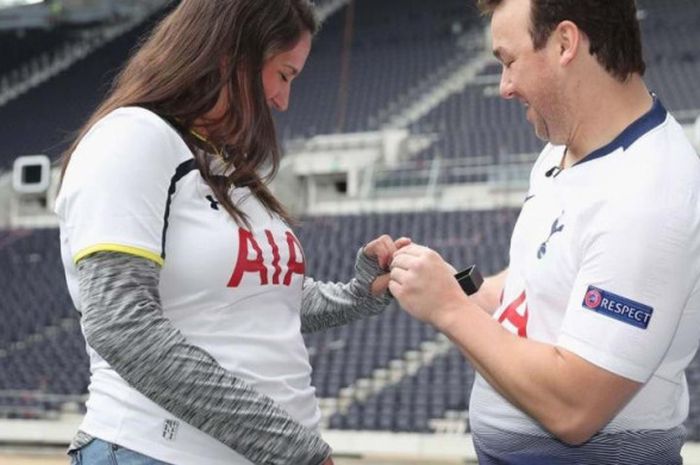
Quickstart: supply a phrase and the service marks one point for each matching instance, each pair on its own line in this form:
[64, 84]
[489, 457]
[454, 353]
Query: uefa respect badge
[617, 307]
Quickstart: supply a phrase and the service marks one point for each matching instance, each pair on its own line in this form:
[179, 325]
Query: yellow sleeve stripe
[118, 248]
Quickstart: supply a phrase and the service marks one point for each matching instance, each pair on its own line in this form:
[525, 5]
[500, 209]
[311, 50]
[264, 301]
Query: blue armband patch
[617, 307]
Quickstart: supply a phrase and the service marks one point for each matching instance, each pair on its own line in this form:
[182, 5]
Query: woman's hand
[383, 249]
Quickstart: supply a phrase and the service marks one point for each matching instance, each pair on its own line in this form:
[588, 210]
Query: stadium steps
[66, 325]
[415, 108]
[392, 374]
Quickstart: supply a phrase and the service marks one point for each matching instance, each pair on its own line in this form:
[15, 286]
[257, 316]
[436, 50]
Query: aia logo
[256, 264]
[514, 317]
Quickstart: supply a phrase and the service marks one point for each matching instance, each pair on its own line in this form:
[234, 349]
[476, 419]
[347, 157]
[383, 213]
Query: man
[581, 345]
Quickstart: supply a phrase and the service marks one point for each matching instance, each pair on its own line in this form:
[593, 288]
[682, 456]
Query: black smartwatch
[470, 280]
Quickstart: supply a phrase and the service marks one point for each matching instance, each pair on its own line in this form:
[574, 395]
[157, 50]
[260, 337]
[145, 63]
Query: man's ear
[568, 39]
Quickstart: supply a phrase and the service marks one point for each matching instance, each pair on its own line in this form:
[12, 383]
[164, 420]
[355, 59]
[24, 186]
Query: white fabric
[630, 225]
[114, 194]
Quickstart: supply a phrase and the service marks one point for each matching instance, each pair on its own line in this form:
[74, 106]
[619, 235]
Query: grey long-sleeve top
[123, 321]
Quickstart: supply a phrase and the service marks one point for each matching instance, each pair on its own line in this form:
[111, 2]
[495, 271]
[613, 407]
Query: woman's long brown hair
[179, 70]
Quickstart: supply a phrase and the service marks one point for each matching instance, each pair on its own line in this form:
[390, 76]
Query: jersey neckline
[650, 120]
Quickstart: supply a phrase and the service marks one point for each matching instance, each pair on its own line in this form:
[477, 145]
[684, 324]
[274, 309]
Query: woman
[189, 280]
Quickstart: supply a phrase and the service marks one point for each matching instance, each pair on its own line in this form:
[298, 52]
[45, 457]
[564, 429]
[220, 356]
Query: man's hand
[424, 284]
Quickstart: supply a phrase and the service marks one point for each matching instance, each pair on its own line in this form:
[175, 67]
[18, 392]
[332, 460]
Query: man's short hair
[610, 25]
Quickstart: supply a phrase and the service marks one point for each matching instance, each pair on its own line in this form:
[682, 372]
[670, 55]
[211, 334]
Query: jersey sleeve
[116, 188]
[631, 288]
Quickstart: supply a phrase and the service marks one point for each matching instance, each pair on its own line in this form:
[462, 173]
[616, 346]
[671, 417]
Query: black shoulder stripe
[182, 170]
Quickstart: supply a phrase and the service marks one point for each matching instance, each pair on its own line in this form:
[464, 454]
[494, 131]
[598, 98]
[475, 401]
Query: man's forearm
[569, 396]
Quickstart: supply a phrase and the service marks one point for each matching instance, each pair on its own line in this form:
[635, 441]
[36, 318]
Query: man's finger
[398, 275]
[403, 261]
[410, 249]
[402, 242]
[395, 288]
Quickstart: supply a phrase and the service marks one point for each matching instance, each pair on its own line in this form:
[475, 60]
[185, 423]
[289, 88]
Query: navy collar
[634, 131]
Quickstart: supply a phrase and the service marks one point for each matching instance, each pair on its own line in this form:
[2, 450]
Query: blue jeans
[99, 452]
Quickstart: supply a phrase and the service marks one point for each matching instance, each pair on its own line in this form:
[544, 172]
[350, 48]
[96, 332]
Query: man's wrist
[451, 315]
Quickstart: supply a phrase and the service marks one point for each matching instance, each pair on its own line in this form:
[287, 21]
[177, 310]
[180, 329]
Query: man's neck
[604, 113]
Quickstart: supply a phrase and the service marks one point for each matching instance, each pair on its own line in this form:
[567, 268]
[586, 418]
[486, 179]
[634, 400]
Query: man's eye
[284, 77]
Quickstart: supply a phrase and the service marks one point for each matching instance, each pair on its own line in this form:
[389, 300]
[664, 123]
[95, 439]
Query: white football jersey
[132, 186]
[605, 263]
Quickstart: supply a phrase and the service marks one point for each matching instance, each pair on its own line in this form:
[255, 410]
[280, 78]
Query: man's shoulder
[669, 143]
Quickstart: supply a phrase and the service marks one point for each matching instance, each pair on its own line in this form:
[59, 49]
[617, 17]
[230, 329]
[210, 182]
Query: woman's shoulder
[137, 121]
[135, 130]
[129, 137]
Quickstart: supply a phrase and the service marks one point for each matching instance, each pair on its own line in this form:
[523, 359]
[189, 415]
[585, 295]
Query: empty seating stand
[42, 349]
[394, 45]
